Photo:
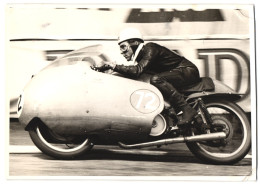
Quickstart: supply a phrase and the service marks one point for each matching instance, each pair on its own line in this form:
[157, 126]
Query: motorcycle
[68, 107]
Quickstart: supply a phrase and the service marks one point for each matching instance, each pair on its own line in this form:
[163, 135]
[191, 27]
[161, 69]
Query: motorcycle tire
[40, 136]
[241, 128]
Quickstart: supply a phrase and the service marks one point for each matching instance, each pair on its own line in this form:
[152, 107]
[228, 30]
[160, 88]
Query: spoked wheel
[229, 118]
[58, 146]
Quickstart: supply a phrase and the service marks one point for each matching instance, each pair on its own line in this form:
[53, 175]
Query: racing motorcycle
[68, 107]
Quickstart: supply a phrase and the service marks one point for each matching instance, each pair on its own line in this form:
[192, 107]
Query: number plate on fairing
[20, 104]
[145, 101]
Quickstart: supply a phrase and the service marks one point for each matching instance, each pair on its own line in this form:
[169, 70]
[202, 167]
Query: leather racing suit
[169, 68]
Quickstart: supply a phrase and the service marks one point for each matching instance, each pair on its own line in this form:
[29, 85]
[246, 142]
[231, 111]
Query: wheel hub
[222, 124]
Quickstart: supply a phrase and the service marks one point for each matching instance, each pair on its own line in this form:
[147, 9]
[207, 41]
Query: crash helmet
[128, 34]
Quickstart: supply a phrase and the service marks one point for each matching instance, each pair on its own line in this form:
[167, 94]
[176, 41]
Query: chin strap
[137, 52]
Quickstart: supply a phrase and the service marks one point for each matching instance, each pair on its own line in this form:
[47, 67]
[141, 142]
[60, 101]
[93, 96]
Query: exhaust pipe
[203, 137]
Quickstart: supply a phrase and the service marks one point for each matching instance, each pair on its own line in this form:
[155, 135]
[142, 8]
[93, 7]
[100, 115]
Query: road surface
[173, 161]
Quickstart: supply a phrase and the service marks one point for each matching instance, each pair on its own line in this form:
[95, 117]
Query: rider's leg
[170, 93]
[177, 100]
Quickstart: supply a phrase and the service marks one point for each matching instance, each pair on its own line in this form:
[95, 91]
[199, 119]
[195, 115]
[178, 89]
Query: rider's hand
[94, 68]
[111, 65]
[106, 66]
[100, 68]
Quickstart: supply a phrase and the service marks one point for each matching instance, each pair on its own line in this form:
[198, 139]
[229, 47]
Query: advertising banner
[215, 38]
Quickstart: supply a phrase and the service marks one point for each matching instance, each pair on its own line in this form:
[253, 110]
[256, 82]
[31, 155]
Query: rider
[170, 70]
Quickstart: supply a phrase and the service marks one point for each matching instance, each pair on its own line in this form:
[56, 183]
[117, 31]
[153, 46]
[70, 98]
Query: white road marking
[141, 151]
[25, 149]
[248, 156]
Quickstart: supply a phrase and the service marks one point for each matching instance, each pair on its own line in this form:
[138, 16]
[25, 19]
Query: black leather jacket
[154, 58]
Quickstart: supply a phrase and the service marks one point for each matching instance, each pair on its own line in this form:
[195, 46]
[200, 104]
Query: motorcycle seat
[205, 84]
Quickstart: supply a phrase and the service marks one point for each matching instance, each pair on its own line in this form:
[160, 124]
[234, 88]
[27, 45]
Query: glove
[106, 66]
[101, 68]
[111, 65]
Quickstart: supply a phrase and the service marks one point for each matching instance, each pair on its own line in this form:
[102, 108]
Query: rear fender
[209, 95]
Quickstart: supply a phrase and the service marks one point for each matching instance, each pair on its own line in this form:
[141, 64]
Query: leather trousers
[168, 83]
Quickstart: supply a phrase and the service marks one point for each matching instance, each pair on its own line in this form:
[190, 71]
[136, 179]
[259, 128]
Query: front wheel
[226, 117]
[58, 146]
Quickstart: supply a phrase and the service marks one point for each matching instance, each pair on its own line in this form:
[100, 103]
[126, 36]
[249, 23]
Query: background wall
[215, 38]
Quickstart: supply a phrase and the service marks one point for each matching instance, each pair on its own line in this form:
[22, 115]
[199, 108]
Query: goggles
[124, 48]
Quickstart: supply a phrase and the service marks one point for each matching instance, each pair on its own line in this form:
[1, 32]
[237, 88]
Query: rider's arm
[136, 70]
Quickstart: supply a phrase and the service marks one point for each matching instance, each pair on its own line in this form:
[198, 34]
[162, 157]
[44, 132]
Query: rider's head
[128, 41]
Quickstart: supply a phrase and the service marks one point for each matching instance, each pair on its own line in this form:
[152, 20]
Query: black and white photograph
[146, 92]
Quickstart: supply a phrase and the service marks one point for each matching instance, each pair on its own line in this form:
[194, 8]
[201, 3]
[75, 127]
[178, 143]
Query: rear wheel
[57, 146]
[229, 118]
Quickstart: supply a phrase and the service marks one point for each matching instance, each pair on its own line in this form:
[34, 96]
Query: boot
[188, 114]
[179, 103]
[176, 99]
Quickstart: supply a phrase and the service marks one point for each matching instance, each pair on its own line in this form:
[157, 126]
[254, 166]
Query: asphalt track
[171, 162]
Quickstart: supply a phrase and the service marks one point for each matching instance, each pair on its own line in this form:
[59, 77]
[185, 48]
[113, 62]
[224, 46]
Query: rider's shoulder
[151, 45]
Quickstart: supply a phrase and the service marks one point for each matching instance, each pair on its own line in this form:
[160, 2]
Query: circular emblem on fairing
[145, 101]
